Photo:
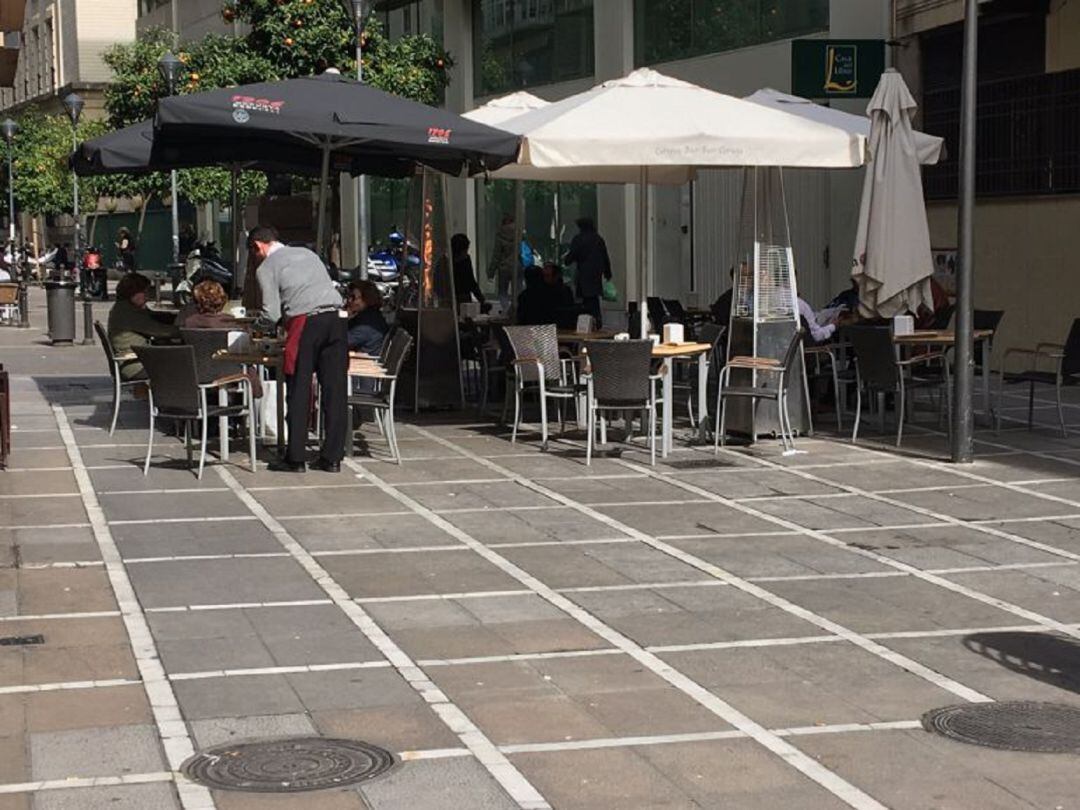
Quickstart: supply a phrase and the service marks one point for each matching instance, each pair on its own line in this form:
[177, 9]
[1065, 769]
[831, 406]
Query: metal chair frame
[903, 382]
[386, 371]
[179, 381]
[615, 394]
[119, 383]
[1064, 358]
[538, 366]
[779, 394]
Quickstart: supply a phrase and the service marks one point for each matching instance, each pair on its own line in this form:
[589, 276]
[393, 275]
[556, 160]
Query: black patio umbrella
[133, 150]
[329, 115]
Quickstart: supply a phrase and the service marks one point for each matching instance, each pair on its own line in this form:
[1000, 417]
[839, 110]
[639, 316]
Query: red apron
[294, 327]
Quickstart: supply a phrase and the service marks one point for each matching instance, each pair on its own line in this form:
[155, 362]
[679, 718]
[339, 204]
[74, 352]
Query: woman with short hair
[132, 324]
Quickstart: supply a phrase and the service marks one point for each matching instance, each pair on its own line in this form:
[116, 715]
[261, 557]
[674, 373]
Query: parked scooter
[93, 276]
[204, 262]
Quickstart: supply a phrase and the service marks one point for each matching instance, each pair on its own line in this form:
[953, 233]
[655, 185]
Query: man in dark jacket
[589, 252]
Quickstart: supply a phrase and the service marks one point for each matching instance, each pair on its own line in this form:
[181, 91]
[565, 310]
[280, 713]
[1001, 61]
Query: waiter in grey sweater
[297, 289]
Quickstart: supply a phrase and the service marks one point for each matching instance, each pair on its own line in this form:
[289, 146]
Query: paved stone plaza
[746, 631]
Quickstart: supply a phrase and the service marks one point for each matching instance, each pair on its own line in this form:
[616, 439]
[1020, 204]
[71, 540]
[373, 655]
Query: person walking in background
[466, 287]
[503, 258]
[297, 289]
[125, 249]
[589, 252]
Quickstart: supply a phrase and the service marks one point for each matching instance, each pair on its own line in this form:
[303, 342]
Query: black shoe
[328, 466]
[281, 465]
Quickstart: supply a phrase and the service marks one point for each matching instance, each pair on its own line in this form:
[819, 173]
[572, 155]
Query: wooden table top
[248, 358]
[578, 337]
[946, 337]
[680, 349]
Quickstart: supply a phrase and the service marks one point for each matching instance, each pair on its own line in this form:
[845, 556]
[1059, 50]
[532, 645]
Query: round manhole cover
[288, 766]
[1014, 726]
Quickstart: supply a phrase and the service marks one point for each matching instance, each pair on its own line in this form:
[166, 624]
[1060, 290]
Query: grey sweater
[294, 281]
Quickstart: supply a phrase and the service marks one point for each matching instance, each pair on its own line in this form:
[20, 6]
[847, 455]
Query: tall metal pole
[11, 204]
[361, 181]
[75, 194]
[175, 219]
[963, 418]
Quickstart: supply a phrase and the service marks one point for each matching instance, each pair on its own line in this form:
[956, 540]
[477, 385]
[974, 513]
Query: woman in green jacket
[132, 324]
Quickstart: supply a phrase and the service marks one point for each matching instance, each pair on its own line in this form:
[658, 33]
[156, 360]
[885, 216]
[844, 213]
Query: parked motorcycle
[204, 263]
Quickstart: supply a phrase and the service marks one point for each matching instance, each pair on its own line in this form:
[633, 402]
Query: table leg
[987, 409]
[703, 396]
[223, 425]
[669, 398]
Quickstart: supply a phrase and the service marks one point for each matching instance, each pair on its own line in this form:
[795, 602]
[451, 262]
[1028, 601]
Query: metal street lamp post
[962, 432]
[73, 104]
[361, 180]
[9, 128]
[169, 68]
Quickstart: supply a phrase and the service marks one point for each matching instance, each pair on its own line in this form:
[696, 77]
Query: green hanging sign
[836, 68]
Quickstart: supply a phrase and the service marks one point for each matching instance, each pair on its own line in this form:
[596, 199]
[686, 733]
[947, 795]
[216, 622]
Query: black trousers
[323, 352]
[591, 305]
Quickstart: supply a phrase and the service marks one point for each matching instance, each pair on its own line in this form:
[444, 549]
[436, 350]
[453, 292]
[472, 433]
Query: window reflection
[521, 43]
[676, 29]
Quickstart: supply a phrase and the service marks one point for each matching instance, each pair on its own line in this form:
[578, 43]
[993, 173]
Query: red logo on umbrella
[256, 104]
[438, 135]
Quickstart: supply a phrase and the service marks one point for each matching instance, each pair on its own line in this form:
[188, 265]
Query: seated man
[132, 324]
[818, 332]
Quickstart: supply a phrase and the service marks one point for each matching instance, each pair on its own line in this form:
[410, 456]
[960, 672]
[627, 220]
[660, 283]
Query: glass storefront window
[665, 30]
[522, 43]
[551, 210]
[406, 17]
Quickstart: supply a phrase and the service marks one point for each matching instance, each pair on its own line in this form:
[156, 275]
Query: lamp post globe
[169, 68]
[73, 105]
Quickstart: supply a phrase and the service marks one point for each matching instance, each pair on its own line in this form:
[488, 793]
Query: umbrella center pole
[320, 231]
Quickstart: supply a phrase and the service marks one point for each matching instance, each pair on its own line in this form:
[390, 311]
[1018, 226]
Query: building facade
[61, 47]
[1027, 151]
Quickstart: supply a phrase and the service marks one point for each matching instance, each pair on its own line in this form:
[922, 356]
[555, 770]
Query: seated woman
[210, 299]
[132, 324]
[367, 326]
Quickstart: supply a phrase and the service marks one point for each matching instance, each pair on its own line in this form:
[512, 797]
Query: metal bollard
[24, 306]
[88, 322]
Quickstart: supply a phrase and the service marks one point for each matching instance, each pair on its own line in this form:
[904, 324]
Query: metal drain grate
[21, 641]
[1050, 728]
[699, 464]
[288, 766]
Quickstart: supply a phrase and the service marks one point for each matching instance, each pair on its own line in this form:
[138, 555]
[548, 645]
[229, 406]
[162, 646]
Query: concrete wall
[101, 24]
[1063, 36]
[1025, 263]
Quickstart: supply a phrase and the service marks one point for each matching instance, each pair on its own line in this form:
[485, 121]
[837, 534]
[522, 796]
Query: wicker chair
[177, 394]
[620, 379]
[384, 374]
[878, 368]
[780, 373]
[538, 366]
[119, 383]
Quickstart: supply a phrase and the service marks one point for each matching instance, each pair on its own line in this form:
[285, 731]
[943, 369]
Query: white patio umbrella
[650, 128]
[494, 113]
[930, 148]
[892, 264]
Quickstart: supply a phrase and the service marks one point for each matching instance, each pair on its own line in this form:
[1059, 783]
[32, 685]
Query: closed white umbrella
[892, 263]
[930, 148]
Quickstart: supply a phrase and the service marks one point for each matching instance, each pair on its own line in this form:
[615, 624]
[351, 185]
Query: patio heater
[764, 307]
[169, 68]
[428, 307]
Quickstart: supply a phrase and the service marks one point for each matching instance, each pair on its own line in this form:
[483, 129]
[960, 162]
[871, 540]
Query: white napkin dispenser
[673, 333]
[585, 324]
[903, 325]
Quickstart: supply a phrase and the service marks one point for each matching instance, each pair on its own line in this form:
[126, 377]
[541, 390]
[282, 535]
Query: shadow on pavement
[1043, 656]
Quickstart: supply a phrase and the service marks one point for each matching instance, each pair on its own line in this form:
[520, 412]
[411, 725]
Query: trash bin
[60, 304]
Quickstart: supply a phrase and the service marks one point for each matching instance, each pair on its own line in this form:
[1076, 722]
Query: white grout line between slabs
[829, 780]
[505, 773]
[167, 718]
